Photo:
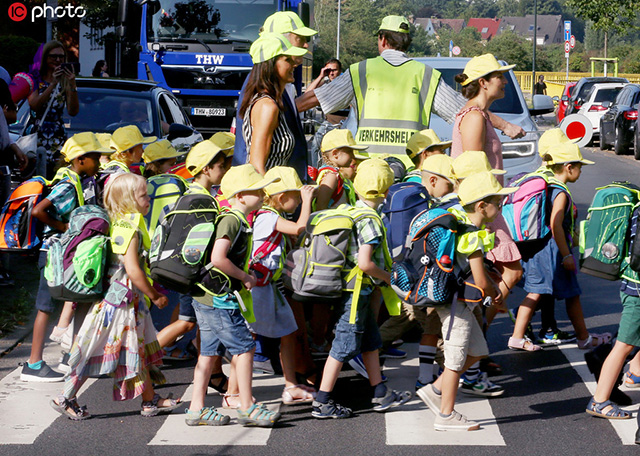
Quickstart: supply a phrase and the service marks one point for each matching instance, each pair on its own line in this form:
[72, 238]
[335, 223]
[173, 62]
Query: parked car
[107, 104]
[564, 101]
[618, 124]
[597, 102]
[520, 155]
[582, 88]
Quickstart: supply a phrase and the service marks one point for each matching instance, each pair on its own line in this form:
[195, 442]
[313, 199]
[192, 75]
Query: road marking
[412, 424]
[174, 430]
[626, 429]
[24, 407]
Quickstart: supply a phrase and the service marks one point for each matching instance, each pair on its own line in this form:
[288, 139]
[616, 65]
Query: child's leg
[287, 358]
[201, 376]
[371, 360]
[427, 354]
[38, 335]
[448, 382]
[244, 373]
[65, 319]
[319, 323]
[302, 355]
[610, 370]
[574, 310]
[634, 364]
[525, 311]
[148, 394]
[330, 374]
[547, 308]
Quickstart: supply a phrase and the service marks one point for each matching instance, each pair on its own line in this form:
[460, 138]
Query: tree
[468, 40]
[511, 48]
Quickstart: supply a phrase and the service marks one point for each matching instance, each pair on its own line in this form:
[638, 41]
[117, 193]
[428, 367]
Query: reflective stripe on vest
[392, 102]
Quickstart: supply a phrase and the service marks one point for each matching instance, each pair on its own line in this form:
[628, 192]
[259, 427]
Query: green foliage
[468, 40]
[512, 48]
[16, 53]
[607, 15]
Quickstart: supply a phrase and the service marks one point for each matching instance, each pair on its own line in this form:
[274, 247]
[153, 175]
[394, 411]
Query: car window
[173, 108]
[603, 95]
[571, 90]
[621, 97]
[636, 97]
[509, 104]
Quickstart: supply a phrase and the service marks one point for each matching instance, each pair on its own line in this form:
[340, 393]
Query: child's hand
[161, 302]
[569, 263]
[250, 281]
[307, 192]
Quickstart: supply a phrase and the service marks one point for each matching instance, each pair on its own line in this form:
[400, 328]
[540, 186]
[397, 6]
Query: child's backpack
[19, 230]
[271, 243]
[77, 260]
[604, 233]
[181, 243]
[527, 211]
[164, 190]
[404, 201]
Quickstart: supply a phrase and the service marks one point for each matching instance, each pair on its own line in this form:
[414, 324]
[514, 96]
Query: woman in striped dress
[268, 138]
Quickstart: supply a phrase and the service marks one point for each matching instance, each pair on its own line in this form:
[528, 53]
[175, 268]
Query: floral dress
[51, 132]
[117, 337]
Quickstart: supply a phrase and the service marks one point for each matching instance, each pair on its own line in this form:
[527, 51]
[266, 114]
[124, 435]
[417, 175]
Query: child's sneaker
[330, 410]
[43, 375]
[357, 365]
[258, 415]
[482, 386]
[393, 353]
[454, 422]
[207, 416]
[631, 380]
[556, 338]
[431, 398]
[393, 398]
[63, 336]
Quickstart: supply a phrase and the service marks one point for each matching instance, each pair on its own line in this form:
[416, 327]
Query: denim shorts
[220, 328]
[186, 312]
[361, 337]
[44, 302]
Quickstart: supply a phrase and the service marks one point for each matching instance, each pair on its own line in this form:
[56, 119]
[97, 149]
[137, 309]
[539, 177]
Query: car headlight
[518, 149]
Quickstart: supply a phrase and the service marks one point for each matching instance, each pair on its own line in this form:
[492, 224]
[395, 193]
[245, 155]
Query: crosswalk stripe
[626, 429]
[412, 424]
[174, 430]
[25, 406]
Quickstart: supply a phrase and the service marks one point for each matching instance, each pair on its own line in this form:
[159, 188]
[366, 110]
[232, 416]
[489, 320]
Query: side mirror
[606, 104]
[555, 99]
[564, 98]
[542, 104]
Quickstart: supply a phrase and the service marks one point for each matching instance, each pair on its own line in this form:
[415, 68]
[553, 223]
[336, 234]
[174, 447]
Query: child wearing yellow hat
[128, 144]
[366, 252]
[421, 145]
[438, 176]
[159, 157]
[481, 197]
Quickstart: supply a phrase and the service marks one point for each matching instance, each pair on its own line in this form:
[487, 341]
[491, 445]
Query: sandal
[524, 344]
[207, 416]
[258, 415]
[594, 340]
[615, 413]
[63, 405]
[235, 405]
[184, 355]
[289, 399]
[153, 409]
[221, 385]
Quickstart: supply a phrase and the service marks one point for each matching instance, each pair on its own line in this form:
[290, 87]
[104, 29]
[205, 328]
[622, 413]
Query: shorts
[629, 331]
[465, 339]
[44, 302]
[220, 328]
[544, 274]
[186, 312]
[353, 339]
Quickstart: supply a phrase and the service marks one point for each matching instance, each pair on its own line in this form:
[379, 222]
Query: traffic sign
[456, 50]
[567, 30]
[567, 47]
[451, 45]
[572, 41]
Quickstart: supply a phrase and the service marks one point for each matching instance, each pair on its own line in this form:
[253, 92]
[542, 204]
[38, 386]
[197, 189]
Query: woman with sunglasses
[56, 87]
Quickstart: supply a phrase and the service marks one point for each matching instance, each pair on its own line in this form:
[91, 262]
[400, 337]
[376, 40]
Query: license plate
[208, 112]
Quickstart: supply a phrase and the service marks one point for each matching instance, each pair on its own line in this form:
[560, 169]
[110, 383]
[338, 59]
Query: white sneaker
[63, 337]
[454, 422]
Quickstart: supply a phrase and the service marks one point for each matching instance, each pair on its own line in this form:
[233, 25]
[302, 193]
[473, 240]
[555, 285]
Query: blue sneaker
[393, 353]
[392, 398]
[357, 365]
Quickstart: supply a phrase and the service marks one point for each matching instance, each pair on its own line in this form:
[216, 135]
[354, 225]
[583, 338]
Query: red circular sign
[17, 12]
[575, 130]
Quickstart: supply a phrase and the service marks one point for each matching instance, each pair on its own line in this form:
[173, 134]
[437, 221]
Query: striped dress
[281, 143]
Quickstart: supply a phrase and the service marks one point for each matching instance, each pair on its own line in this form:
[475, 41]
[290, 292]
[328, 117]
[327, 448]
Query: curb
[18, 335]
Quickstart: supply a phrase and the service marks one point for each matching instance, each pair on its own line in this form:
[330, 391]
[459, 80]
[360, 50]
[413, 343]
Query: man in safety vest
[394, 95]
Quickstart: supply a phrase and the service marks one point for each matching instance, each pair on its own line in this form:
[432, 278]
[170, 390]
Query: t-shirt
[367, 232]
[64, 200]
[540, 87]
[263, 226]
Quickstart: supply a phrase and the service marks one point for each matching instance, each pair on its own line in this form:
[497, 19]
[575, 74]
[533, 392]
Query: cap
[395, 24]
[225, 140]
[243, 178]
[373, 179]
[105, 140]
[483, 65]
[271, 45]
[289, 180]
[160, 150]
[286, 22]
[422, 140]
[81, 144]
[566, 153]
[337, 138]
[552, 137]
[124, 138]
[472, 162]
[201, 155]
[479, 186]
[441, 165]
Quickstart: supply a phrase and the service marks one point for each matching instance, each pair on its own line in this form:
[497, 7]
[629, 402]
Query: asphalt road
[542, 411]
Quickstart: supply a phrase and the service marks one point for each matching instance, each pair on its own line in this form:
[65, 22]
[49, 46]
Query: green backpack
[77, 260]
[604, 234]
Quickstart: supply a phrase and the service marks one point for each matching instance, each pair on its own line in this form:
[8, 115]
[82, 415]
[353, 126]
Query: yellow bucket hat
[124, 138]
[81, 144]
[337, 138]
[441, 165]
[243, 178]
[286, 22]
[422, 140]
[225, 140]
[566, 153]
[395, 24]
[160, 150]
[289, 180]
[201, 155]
[472, 162]
[483, 65]
[271, 45]
[552, 137]
[105, 140]
[479, 186]
[373, 178]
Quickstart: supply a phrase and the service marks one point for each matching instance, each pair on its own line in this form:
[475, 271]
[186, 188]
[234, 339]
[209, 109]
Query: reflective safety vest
[392, 102]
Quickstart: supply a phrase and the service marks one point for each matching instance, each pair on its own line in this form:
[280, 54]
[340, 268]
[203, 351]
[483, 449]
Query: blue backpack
[403, 203]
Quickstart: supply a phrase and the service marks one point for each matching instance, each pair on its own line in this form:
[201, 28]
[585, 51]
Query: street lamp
[535, 39]
[338, 34]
